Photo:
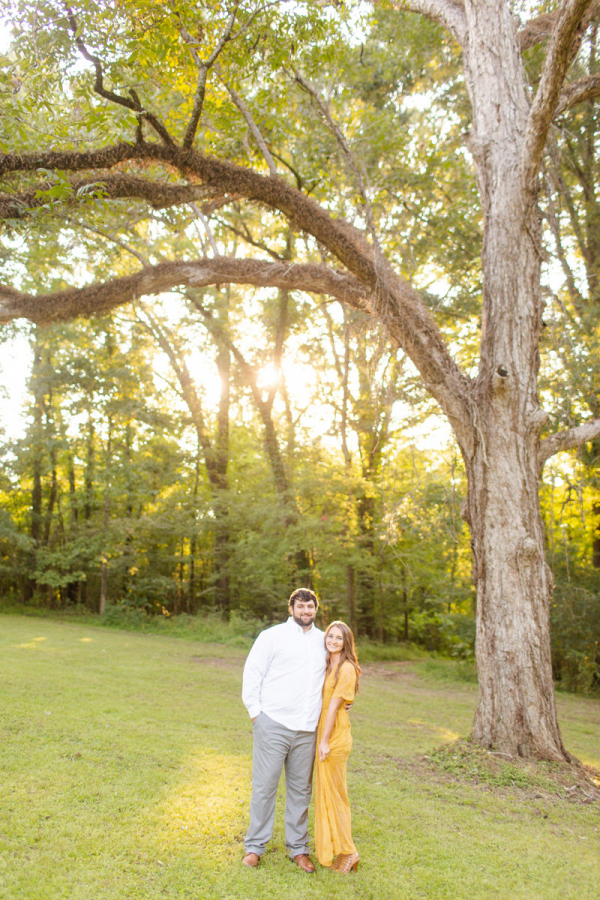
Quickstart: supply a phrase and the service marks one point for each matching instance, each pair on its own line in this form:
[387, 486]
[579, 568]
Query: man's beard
[299, 621]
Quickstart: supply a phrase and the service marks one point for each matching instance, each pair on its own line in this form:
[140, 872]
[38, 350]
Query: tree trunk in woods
[221, 500]
[351, 599]
[405, 603]
[194, 537]
[105, 522]
[282, 480]
[52, 497]
[516, 709]
[90, 460]
[365, 575]
[37, 459]
[73, 587]
[215, 451]
[596, 538]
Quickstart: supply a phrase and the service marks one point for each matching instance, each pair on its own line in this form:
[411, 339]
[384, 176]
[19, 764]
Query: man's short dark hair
[305, 596]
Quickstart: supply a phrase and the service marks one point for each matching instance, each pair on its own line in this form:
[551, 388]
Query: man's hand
[254, 719]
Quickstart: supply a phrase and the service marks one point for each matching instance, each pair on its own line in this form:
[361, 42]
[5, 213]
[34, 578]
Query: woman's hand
[323, 750]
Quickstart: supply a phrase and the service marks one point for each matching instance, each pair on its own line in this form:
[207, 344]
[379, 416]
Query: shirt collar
[292, 624]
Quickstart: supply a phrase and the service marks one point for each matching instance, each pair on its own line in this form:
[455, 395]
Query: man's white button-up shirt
[284, 674]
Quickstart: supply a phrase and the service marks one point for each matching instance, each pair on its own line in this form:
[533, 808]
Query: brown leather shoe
[303, 862]
[251, 860]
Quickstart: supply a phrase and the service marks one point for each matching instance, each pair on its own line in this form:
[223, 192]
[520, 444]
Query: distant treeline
[136, 491]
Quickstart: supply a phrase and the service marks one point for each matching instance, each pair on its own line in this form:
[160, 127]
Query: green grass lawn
[125, 773]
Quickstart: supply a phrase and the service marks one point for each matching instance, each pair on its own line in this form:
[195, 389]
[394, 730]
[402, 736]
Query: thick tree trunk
[516, 710]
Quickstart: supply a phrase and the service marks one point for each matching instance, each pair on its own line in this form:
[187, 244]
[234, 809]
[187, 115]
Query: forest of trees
[138, 485]
[257, 250]
[107, 501]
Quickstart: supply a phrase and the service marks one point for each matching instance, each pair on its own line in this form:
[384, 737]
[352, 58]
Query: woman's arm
[329, 723]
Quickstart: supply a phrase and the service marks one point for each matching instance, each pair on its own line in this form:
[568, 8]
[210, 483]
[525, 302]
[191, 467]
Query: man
[282, 691]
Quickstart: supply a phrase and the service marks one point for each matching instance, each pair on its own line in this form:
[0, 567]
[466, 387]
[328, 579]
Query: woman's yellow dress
[333, 828]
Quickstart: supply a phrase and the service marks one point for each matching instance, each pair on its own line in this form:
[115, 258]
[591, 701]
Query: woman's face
[334, 642]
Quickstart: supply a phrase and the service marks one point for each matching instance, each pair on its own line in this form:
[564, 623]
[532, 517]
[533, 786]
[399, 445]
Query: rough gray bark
[516, 710]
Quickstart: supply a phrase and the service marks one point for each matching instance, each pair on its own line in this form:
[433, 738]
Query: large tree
[172, 158]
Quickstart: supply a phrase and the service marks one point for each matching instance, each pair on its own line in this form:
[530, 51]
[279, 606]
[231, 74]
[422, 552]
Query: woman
[333, 833]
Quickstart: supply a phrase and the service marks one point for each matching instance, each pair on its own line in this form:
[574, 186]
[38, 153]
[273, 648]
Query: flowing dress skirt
[333, 824]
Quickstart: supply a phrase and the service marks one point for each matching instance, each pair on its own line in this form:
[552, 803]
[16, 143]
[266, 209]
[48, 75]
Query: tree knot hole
[500, 380]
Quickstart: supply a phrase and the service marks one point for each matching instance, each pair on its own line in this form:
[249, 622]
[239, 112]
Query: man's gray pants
[276, 746]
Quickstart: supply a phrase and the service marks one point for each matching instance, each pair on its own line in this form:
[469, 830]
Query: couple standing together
[298, 683]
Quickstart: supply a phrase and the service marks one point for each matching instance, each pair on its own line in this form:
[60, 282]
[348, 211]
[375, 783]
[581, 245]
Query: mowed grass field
[125, 774]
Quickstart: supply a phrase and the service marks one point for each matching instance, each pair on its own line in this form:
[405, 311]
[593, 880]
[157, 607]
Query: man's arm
[255, 669]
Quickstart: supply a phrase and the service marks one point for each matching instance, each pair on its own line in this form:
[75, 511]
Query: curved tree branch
[546, 100]
[159, 194]
[568, 440]
[72, 160]
[577, 92]
[400, 307]
[449, 14]
[540, 28]
[99, 298]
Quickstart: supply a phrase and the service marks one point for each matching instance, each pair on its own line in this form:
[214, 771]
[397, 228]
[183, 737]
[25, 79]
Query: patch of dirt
[219, 662]
[530, 779]
[390, 670]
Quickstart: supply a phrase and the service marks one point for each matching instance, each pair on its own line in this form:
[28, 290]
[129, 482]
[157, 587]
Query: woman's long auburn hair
[348, 650]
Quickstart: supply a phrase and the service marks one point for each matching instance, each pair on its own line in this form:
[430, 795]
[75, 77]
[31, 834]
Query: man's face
[303, 612]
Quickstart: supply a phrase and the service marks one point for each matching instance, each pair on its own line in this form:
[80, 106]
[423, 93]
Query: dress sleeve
[346, 685]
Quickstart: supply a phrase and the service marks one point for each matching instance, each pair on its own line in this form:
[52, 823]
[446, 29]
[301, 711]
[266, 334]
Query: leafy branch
[132, 102]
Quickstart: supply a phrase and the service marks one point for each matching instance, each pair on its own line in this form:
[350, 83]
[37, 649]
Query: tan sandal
[349, 863]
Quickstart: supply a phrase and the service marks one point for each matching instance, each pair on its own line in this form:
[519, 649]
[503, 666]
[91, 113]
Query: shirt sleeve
[255, 669]
[346, 685]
